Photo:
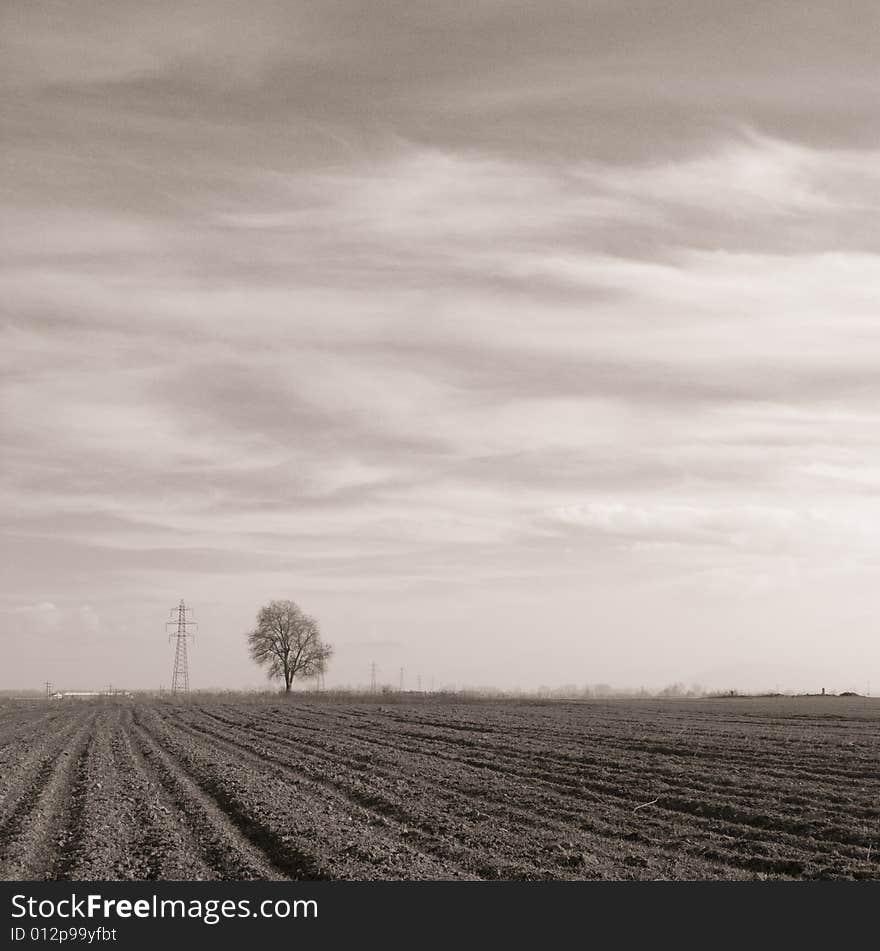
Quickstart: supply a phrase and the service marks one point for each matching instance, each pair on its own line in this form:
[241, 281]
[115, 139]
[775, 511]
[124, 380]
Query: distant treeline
[601, 691]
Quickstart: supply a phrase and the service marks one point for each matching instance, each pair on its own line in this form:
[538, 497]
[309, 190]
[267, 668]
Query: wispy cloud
[355, 312]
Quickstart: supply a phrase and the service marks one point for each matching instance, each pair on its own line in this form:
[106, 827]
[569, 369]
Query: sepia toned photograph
[440, 441]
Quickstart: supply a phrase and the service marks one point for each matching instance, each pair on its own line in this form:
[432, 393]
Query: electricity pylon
[180, 678]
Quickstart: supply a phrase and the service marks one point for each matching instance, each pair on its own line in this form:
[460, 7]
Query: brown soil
[312, 788]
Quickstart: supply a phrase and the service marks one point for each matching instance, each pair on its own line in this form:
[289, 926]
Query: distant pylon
[180, 677]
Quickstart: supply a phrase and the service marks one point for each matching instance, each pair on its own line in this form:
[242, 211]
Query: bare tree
[288, 643]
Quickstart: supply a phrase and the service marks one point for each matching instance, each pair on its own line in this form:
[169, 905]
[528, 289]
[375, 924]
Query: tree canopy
[287, 642]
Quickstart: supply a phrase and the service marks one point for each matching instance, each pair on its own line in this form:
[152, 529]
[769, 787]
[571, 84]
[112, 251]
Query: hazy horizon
[520, 343]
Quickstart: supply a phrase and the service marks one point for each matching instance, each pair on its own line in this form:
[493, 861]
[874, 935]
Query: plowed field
[315, 788]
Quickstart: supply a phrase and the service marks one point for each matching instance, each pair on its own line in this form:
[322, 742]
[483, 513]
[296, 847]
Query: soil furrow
[47, 831]
[224, 846]
[420, 787]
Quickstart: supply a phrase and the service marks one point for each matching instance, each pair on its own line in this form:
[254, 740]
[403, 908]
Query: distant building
[88, 694]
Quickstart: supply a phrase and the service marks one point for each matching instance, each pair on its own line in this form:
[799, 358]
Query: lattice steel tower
[180, 678]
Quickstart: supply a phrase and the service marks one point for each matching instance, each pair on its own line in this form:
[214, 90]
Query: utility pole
[180, 678]
[48, 689]
[373, 677]
[401, 680]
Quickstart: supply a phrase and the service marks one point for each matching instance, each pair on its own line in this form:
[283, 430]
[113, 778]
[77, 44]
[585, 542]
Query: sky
[520, 343]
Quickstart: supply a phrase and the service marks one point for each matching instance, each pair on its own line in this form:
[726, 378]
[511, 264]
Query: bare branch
[288, 643]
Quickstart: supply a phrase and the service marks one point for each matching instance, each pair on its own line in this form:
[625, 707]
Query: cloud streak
[334, 299]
